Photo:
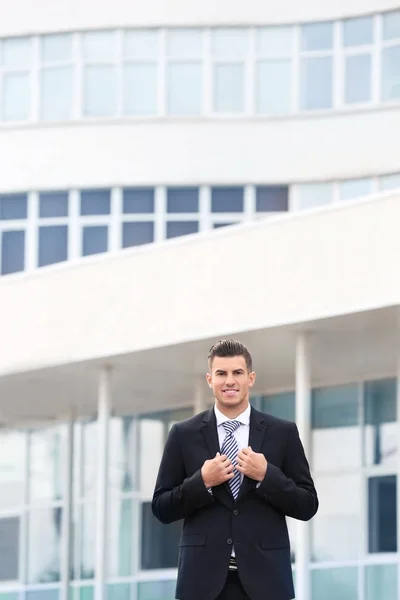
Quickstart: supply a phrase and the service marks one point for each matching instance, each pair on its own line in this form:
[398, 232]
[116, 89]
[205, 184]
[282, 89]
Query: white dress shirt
[241, 433]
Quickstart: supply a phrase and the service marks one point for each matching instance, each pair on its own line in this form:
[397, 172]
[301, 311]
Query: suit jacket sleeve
[177, 496]
[291, 490]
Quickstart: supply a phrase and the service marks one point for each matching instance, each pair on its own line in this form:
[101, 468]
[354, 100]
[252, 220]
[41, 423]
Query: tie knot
[231, 426]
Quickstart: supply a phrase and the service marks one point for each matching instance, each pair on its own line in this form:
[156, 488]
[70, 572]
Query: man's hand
[217, 470]
[252, 464]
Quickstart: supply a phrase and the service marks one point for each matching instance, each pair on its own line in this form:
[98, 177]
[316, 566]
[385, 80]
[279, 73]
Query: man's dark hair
[225, 348]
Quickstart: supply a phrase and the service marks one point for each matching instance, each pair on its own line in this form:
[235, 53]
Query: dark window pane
[136, 234]
[280, 405]
[53, 204]
[12, 251]
[95, 202]
[159, 542]
[218, 225]
[13, 206]
[138, 200]
[335, 406]
[53, 244]
[95, 240]
[9, 548]
[227, 199]
[182, 200]
[382, 513]
[272, 198]
[381, 434]
[178, 228]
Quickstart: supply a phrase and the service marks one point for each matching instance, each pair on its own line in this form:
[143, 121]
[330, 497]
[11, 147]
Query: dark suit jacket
[255, 523]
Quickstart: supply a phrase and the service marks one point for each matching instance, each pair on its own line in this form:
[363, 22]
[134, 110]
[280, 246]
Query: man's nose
[230, 380]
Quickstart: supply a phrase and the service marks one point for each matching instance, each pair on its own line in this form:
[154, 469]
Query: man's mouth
[230, 391]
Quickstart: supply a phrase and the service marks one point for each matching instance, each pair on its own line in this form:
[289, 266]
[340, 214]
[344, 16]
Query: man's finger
[218, 454]
[247, 450]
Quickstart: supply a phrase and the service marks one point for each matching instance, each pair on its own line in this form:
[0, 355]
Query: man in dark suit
[233, 474]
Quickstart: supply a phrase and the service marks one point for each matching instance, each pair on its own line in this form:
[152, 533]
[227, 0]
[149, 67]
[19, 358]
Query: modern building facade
[172, 174]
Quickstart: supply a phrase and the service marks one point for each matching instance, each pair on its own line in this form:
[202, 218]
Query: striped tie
[230, 448]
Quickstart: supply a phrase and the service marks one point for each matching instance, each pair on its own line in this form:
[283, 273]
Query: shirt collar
[243, 418]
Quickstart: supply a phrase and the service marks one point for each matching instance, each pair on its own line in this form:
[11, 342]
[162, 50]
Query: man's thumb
[218, 454]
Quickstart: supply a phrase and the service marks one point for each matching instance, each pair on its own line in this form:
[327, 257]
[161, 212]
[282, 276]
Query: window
[274, 69]
[391, 25]
[122, 473]
[16, 93]
[138, 200]
[160, 544]
[99, 77]
[12, 470]
[335, 583]
[120, 537]
[13, 207]
[56, 77]
[271, 198]
[182, 200]
[95, 240]
[381, 582]
[229, 50]
[317, 36]
[279, 405]
[380, 410]
[358, 32]
[12, 251]
[156, 589]
[140, 72]
[382, 514]
[47, 464]
[178, 228]
[391, 73]
[9, 548]
[44, 544]
[53, 244]
[227, 199]
[53, 204]
[355, 188]
[136, 234]
[390, 182]
[358, 69]
[95, 202]
[316, 76]
[313, 195]
[184, 71]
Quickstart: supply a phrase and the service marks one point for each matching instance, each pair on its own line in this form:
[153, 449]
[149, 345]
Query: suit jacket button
[229, 541]
[235, 512]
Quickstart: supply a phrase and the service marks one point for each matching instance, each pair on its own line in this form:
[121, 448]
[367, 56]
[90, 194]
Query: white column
[66, 550]
[103, 416]
[200, 397]
[303, 420]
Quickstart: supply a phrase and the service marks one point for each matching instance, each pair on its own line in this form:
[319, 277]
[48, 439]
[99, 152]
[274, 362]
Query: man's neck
[232, 413]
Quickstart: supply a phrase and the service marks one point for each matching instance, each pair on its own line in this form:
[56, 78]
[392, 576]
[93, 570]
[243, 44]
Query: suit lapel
[256, 437]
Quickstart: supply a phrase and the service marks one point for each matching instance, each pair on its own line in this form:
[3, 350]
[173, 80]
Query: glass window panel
[178, 228]
[390, 182]
[358, 31]
[382, 519]
[274, 41]
[89, 458]
[154, 590]
[274, 86]
[94, 240]
[12, 251]
[340, 583]
[317, 36]
[391, 25]
[56, 93]
[336, 435]
[185, 43]
[53, 204]
[183, 200]
[313, 195]
[218, 225]
[95, 202]
[358, 71]
[44, 544]
[9, 548]
[85, 536]
[119, 591]
[122, 474]
[271, 198]
[99, 45]
[280, 405]
[17, 52]
[56, 48]
[53, 244]
[229, 88]
[13, 206]
[16, 96]
[9, 596]
[43, 594]
[230, 43]
[159, 543]
[316, 83]
[336, 528]
[184, 88]
[140, 89]
[84, 592]
[47, 463]
[227, 199]
[138, 200]
[120, 537]
[141, 44]
[136, 234]
[100, 91]
[12, 461]
[381, 582]
[391, 73]
[355, 188]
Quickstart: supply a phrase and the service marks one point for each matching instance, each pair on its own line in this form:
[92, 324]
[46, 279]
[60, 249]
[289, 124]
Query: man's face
[230, 382]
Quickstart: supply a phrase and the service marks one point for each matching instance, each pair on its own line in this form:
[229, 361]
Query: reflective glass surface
[381, 429]
[13, 206]
[178, 228]
[184, 88]
[44, 544]
[154, 590]
[381, 582]
[382, 514]
[47, 464]
[138, 200]
[227, 199]
[94, 239]
[122, 472]
[182, 200]
[335, 584]
[229, 88]
[53, 244]
[120, 538]
[9, 548]
[12, 251]
[53, 204]
[136, 234]
[12, 469]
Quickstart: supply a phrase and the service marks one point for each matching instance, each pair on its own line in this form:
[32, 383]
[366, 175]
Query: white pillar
[200, 397]
[103, 416]
[66, 550]
[303, 420]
